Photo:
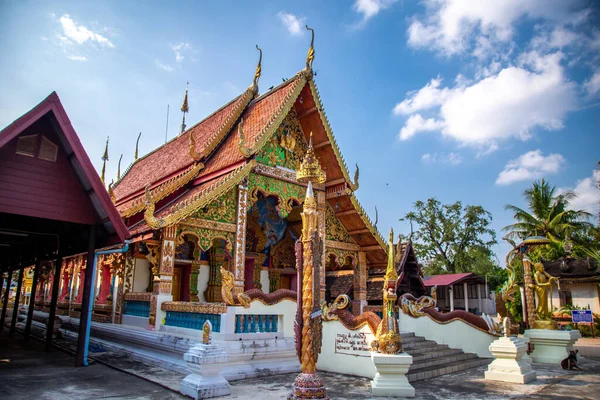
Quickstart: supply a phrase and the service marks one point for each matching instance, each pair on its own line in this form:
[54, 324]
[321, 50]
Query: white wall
[333, 361]
[141, 275]
[286, 309]
[456, 334]
[583, 294]
[264, 280]
[203, 273]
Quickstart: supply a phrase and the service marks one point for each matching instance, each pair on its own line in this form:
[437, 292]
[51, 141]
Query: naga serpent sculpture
[244, 299]
[338, 311]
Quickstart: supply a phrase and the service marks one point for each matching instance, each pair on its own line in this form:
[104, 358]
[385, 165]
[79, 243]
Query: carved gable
[222, 209]
[334, 228]
[287, 145]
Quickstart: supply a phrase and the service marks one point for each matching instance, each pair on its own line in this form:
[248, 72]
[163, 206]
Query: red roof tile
[173, 156]
[447, 279]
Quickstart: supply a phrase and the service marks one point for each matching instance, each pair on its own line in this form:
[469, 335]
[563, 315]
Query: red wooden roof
[449, 279]
[105, 211]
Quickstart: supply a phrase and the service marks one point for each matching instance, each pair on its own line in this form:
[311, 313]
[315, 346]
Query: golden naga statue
[388, 340]
[230, 298]
[543, 289]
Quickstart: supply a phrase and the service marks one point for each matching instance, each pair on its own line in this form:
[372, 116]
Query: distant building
[579, 283]
[465, 291]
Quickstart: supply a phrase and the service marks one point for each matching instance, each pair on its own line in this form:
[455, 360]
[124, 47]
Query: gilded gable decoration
[287, 145]
[221, 209]
[204, 237]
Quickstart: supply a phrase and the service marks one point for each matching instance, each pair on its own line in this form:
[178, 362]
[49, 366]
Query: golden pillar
[308, 384]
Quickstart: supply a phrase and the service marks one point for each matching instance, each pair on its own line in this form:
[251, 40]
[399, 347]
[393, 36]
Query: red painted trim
[52, 104]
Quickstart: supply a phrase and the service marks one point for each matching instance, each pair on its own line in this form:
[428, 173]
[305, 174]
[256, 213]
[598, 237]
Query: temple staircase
[431, 359]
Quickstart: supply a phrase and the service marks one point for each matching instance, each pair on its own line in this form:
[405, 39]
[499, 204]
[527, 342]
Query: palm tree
[548, 214]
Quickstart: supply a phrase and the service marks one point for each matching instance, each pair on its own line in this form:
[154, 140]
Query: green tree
[452, 238]
[548, 214]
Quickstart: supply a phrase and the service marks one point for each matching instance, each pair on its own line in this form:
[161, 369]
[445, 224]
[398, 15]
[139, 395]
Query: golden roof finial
[104, 160]
[390, 273]
[258, 69]
[184, 107]
[192, 148]
[137, 143]
[310, 169]
[311, 50]
[119, 168]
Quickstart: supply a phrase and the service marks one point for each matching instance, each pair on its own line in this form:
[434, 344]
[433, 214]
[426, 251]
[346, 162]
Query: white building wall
[141, 276]
[582, 294]
[203, 273]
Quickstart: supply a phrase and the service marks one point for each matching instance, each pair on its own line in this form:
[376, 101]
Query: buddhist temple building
[223, 193]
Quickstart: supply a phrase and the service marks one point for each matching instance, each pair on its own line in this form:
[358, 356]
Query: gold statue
[206, 331]
[543, 282]
[388, 340]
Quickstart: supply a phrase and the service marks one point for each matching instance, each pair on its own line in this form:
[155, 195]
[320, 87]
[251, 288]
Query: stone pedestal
[551, 346]
[391, 379]
[526, 356]
[509, 365]
[206, 363]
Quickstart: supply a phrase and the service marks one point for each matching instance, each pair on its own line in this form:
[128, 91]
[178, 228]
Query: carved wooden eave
[163, 190]
[207, 224]
[185, 206]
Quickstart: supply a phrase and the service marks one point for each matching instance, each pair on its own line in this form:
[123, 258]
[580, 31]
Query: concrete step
[442, 360]
[447, 368]
[435, 354]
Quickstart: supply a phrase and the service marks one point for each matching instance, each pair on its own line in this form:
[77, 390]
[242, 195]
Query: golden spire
[137, 143]
[311, 50]
[258, 69]
[184, 107]
[104, 160]
[390, 273]
[119, 168]
[310, 169]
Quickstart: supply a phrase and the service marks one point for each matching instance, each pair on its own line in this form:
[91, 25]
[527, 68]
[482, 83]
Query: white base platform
[204, 387]
[391, 379]
[509, 364]
[551, 346]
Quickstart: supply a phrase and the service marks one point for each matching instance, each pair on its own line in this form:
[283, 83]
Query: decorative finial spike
[137, 143]
[119, 168]
[311, 50]
[184, 107]
[258, 69]
[104, 160]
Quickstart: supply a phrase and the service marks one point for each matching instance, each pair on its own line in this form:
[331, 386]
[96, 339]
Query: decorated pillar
[67, 270]
[167, 259]
[105, 276]
[529, 295]
[124, 274]
[240, 238]
[153, 258]
[194, 272]
[360, 284]
[216, 260]
[81, 280]
[321, 211]
[49, 283]
[274, 275]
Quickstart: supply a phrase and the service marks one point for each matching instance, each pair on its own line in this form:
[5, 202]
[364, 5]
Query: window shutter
[26, 145]
[48, 150]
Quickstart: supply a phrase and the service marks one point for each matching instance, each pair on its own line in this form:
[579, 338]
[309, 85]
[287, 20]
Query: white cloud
[164, 67]
[293, 23]
[588, 195]
[416, 123]
[370, 8]
[448, 26]
[451, 158]
[77, 58]
[180, 50]
[74, 33]
[592, 85]
[529, 166]
[508, 104]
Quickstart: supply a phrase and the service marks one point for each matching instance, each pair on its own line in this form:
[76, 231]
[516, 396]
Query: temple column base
[551, 346]
[308, 386]
[206, 363]
[391, 379]
[509, 364]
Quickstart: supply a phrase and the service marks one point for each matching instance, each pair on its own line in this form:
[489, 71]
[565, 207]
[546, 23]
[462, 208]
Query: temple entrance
[270, 240]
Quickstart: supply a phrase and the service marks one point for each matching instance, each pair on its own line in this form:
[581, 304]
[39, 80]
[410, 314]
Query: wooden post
[53, 301]
[5, 300]
[15, 315]
[84, 318]
[34, 285]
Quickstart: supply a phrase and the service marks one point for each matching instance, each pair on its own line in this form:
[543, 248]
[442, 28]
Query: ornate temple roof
[224, 146]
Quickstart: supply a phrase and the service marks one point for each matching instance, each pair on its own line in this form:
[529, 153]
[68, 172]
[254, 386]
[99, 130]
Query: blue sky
[458, 100]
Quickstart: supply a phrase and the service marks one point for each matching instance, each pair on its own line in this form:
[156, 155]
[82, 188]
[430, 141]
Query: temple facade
[224, 193]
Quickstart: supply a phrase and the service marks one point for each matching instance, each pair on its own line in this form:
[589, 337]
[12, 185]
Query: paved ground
[26, 372]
